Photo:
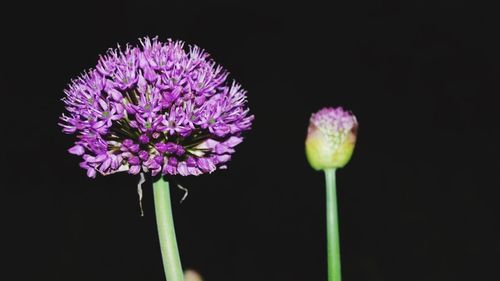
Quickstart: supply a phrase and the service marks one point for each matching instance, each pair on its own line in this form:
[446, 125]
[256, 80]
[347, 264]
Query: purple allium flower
[155, 107]
[331, 137]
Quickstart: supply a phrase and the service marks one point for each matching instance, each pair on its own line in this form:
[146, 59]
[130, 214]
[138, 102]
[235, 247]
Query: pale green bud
[331, 138]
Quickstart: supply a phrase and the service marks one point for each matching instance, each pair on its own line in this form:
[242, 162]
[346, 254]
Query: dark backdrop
[417, 201]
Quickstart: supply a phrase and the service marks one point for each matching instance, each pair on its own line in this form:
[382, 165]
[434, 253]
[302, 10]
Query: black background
[417, 201]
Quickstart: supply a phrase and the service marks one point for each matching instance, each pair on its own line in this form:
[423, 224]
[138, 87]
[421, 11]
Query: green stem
[166, 231]
[332, 227]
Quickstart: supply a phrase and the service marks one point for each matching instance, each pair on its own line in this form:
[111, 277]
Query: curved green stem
[166, 231]
[332, 227]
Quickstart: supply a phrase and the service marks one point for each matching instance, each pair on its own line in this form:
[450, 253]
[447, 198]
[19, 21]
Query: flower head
[331, 137]
[155, 107]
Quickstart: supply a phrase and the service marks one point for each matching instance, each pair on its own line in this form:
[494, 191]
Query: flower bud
[191, 275]
[331, 137]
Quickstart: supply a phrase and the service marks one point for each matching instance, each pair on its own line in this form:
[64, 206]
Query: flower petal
[115, 94]
[134, 170]
[91, 172]
[77, 150]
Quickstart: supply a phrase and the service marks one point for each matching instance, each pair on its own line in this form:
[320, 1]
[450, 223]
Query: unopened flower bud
[191, 275]
[331, 138]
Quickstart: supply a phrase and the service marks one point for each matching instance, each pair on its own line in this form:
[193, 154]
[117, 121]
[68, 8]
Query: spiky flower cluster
[331, 137]
[155, 107]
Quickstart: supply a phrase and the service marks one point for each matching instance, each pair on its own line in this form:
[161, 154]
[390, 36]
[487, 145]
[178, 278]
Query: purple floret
[155, 107]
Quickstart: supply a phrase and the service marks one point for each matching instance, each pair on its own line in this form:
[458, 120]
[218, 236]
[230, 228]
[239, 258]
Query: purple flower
[155, 107]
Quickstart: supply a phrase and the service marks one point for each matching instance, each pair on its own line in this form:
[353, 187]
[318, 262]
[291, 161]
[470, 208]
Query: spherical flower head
[157, 107]
[331, 137]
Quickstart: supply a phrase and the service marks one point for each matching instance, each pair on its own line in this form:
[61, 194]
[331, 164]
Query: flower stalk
[331, 137]
[159, 108]
[332, 227]
[166, 231]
